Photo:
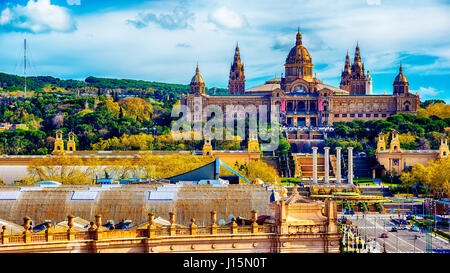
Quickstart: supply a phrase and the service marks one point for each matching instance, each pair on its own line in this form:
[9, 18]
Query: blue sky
[163, 40]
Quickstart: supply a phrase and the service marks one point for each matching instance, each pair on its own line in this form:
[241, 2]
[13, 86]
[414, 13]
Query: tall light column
[338, 165]
[327, 166]
[350, 166]
[314, 165]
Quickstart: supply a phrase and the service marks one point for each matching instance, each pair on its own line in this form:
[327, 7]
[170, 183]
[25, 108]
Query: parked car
[394, 229]
[402, 227]
[384, 235]
[415, 228]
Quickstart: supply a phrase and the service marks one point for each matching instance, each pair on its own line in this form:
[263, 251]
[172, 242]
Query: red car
[384, 235]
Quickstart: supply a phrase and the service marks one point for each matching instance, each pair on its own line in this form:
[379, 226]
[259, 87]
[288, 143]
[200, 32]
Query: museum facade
[301, 98]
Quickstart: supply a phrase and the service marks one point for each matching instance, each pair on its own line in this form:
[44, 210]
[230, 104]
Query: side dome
[401, 78]
[197, 77]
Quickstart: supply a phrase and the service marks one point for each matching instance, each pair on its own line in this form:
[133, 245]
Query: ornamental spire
[299, 37]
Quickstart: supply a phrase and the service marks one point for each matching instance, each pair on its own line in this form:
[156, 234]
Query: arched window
[406, 104]
[301, 106]
[289, 106]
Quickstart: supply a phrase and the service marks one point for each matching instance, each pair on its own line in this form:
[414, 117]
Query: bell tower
[71, 143]
[381, 143]
[253, 145]
[207, 147]
[236, 84]
[443, 149]
[395, 143]
[59, 144]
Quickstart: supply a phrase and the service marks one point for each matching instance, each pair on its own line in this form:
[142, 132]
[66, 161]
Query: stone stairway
[361, 167]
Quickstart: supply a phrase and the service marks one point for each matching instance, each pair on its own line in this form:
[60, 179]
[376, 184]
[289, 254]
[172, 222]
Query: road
[402, 241]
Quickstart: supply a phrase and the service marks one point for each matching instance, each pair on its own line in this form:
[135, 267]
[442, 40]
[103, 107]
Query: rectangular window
[375, 115]
[336, 115]
[344, 115]
[84, 195]
[383, 115]
[367, 115]
[161, 195]
[9, 195]
[352, 115]
[360, 115]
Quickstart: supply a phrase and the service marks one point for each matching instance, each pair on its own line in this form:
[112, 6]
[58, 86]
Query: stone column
[327, 166]
[314, 165]
[338, 165]
[350, 166]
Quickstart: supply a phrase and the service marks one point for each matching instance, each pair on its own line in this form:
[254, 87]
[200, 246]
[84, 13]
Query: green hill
[156, 90]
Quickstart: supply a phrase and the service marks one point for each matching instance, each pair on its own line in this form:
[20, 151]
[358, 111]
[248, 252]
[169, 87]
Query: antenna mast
[25, 66]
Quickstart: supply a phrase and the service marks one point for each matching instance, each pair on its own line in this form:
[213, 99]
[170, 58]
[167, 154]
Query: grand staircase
[361, 167]
[304, 165]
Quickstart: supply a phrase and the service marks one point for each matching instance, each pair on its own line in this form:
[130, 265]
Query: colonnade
[338, 165]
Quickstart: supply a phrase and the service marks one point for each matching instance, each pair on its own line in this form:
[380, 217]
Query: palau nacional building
[304, 100]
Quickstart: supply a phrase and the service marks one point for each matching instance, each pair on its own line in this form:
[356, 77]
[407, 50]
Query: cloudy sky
[163, 40]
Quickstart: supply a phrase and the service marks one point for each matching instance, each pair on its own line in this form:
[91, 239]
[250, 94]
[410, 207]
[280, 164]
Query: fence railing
[31, 237]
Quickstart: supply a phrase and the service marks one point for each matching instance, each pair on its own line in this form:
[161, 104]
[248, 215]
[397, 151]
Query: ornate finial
[401, 68]
[237, 46]
[299, 37]
[98, 220]
[196, 69]
[172, 218]
[70, 221]
[91, 226]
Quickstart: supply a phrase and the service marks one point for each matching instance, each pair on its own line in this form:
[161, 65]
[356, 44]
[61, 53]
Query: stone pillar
[350, 166]
[314, 165]
[327, 165]
[338, 165]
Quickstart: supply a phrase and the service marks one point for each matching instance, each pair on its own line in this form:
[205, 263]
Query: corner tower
[236, 84]
[353, 78]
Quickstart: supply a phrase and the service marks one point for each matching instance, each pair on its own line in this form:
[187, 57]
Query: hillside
[155, 90]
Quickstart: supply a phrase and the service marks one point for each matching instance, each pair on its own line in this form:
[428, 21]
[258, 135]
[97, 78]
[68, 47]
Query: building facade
[395, 159]
[301, 98]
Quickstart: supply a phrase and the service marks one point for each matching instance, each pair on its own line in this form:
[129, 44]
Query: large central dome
[298, 54]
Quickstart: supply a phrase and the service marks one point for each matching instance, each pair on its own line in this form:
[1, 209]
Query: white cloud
[426, 91]
[74, 2]
[374, 2]
[37, 16]
[226, 18]
[179, 18]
